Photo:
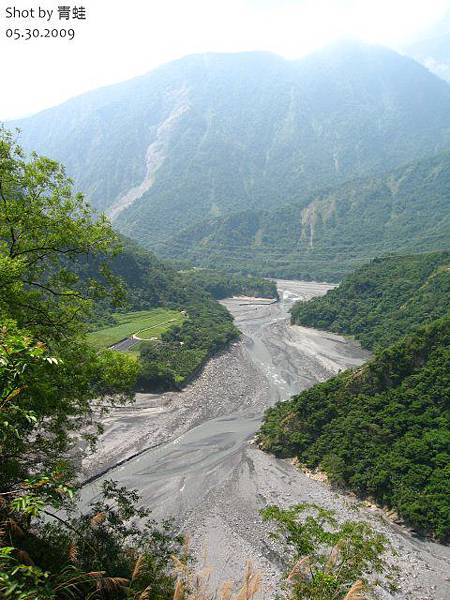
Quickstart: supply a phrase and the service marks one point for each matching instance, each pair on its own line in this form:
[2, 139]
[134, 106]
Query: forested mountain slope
[215, 134]
[382, 430]
[330, 233]
[384, 300]
[150, 281]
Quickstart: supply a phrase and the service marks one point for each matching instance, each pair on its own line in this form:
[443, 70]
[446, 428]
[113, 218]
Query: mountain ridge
[212, 134]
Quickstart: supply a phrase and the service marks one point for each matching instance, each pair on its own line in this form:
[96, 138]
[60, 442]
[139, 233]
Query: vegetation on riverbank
[381, 430]
[185, 346]
[184, 349]
[384, 300]
[328, 559]
[224, 285]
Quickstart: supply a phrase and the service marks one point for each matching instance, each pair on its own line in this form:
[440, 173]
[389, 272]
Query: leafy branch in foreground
[82, 556]
[48, 373]
[43, 398]
[112, 551]
[329, 560]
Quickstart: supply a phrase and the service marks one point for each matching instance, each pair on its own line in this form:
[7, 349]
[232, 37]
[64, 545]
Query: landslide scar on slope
[155, 156]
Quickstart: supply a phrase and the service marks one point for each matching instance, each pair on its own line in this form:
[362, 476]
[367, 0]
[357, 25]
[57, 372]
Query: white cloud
[120, 40]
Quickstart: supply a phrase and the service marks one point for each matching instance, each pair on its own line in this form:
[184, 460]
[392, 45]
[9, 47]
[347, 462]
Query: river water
[191, 454]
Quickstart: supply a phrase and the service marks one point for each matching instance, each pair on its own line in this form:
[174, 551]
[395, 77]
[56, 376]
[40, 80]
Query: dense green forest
[224, 285]
[328, 234]
[184, 349]
[381, 430]
[384, 300]
[208, 328]
[149, 282]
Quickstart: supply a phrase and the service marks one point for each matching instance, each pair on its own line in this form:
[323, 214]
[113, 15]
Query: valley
[192, 454]
[182, 394]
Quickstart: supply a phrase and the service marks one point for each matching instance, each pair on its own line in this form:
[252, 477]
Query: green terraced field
[146, 324]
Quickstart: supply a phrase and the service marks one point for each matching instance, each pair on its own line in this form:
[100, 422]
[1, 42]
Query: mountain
[209, 135]
[329, 233]
[384, 300]
[381, 430]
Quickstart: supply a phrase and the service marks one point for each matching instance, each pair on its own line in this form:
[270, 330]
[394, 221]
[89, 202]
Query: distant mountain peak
[213, 134]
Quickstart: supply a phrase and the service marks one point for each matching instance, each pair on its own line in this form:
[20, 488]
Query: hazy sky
[121, 39]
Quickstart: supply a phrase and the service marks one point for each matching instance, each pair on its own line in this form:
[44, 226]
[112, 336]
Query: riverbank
[207, 472]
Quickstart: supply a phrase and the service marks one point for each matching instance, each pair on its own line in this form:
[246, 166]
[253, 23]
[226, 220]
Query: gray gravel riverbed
[191, 454]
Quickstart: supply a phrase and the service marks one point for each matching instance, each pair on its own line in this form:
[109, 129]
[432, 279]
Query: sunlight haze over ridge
[118, 40]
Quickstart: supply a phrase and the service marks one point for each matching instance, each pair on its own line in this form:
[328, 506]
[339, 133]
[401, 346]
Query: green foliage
[145, 324]
[149, 282]
[327, 557]
[44, 229]
[48, 374]
[88, 557]
[43, 398]
[112, 550]
[382, 430]
[208, 328]
[224, 285]
[202, 328]
[184, 349]
[384, 300]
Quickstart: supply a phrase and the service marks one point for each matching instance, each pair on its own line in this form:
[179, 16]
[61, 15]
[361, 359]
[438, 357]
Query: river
[192, 455]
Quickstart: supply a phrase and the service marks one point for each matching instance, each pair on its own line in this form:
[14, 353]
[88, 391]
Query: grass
[146, 324]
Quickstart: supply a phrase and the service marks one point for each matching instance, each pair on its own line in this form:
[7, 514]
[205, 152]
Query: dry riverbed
[191, 454]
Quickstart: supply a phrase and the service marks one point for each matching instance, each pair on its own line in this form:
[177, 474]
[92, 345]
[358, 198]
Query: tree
[46, 232]
[329, 560]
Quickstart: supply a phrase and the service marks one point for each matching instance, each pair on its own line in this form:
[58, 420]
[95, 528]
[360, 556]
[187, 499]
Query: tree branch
[53, 292]
[11, 228]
